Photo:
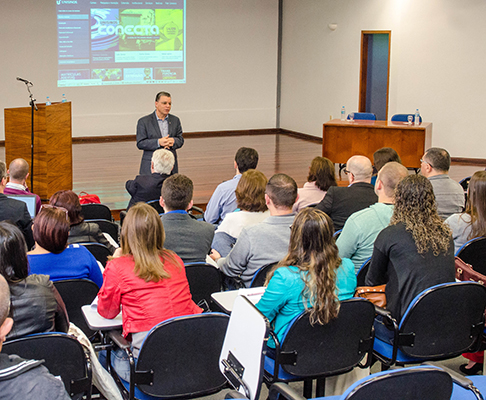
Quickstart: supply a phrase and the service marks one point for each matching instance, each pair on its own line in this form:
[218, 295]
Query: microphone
[25, 81]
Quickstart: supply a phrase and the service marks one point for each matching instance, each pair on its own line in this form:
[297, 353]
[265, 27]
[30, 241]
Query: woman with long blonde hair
[146, 279]
[472, 222]
[311, 276]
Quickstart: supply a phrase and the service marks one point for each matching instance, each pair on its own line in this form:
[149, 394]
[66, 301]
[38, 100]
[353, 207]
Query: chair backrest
[108, 227]
[403, 117]
[204, 279]
[96, 211]
[337, 233]
[443, 321]
[183, 354]
[156, 204]
[261, 275]
[365, 116]
[333, 348]
[64, 356]
[363, 270]
[405, 384]
[465, 183]
[76, 293]
[473, 252]
[242, 356]
[99, 251]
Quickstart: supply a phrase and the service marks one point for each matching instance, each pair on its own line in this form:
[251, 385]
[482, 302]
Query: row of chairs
[372, 117]
[187, 357]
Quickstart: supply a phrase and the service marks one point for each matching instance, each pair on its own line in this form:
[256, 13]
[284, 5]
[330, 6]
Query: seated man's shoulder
[24, 379]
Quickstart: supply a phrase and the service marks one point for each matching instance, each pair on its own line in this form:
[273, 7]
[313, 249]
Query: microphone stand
[32, 107]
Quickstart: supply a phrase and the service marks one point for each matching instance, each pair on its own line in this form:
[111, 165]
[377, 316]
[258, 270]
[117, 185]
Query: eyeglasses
[347, 171]
[425, 162]
[55, 208]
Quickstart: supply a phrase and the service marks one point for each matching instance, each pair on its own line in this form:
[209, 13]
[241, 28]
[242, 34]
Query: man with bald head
[18, 172]
[357, 239]
[340, 202]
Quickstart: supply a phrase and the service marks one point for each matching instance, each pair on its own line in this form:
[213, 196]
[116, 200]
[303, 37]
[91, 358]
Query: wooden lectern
[53, 156]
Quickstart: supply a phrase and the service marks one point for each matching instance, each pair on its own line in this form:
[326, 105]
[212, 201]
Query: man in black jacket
[15, 211]
[148, 187]
[340, 202]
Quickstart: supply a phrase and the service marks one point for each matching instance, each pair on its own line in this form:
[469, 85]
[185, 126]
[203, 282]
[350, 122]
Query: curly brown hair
[250, 192]
[415, 207]
[313, 250]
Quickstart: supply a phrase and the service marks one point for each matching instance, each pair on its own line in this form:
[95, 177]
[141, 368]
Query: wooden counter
[342, 140]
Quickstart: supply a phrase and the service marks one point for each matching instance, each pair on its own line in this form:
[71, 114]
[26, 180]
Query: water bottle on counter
[343, 114]
[48, 101]
[64, 100]
[417, 117]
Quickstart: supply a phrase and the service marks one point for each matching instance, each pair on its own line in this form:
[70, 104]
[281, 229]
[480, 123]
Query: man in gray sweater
[266, 242]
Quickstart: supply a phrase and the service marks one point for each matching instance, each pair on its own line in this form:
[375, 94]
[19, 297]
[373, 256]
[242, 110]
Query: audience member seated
[36, 304]
[147, 187]
[188, 238]
[311, 276]
[465, 226]
[322, 176]
[250, 197]
[144, 278]
[18, 172]
[223, 200]
[472, 222]
[51, 256]
[381, 157]
[80, 231]
[412, 254]
[361, 229]
[266, 242]
[340, 202]
[23, 379]
[449, 194]
[14, 211]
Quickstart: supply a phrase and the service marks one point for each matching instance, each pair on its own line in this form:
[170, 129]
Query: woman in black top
[36, 304]
[415, 251]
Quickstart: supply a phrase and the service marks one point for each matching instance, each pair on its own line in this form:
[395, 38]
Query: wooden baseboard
[468, 161]
[243, 132]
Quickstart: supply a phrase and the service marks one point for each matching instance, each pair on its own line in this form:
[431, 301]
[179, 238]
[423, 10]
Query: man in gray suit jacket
[159, 130]
[190, 239]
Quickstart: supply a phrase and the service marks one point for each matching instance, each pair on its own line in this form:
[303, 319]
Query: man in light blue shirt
[223, 200]
[357, 239]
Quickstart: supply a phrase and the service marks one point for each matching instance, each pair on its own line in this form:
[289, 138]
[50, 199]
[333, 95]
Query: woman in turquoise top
[311, 276]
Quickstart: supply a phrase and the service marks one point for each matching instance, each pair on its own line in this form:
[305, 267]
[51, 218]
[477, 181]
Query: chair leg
[308, 389]
[320, 387]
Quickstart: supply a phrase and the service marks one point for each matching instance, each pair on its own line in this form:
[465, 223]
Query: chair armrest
[458, 379]
[119, 340]
[285, 390]
[233, 394]
[383, 312]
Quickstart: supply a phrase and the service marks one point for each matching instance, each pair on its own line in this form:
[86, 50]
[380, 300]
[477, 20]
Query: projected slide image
[131, 42]
[112, 74]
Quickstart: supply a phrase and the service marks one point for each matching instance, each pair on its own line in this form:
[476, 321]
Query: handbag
[375, 294]
[87, 198]
[465, 272]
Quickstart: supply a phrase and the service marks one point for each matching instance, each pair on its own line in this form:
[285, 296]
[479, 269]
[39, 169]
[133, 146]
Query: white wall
[438, 55]
[231, 69]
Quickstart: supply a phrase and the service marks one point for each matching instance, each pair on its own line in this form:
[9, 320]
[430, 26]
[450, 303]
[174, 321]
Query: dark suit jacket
[16, 212]
[190, 239]
[340, 202]
[145, 188]
[148, 134]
